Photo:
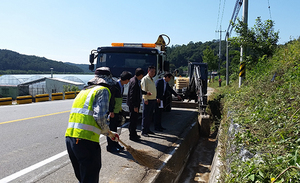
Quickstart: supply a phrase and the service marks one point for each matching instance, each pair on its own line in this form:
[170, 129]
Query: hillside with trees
[207, 52]
[84, 67]
[260, 42]
[180, 55]
[14, 63]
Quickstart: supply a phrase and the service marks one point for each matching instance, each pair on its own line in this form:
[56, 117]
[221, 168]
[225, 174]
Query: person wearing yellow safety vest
[115, 106]
[88, 119]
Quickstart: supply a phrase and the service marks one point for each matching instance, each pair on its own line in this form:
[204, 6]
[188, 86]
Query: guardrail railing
[38, 98]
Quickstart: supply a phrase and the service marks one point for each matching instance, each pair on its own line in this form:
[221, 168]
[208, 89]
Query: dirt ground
[198, 166]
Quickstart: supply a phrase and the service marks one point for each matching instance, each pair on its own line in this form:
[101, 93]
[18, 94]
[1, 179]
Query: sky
[65, 30]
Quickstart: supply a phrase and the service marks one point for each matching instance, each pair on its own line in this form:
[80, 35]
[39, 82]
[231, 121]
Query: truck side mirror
[166, 66]
[91, 67]
[92, 57]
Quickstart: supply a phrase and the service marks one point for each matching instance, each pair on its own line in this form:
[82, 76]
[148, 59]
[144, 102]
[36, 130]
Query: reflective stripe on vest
[82, 111]
[81, 122]
[84, 127]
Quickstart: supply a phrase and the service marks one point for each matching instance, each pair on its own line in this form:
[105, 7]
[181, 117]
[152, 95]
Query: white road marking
[33, 167]
[40, 164]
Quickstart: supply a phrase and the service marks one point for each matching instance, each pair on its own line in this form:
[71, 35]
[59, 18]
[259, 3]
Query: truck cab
[121, 57]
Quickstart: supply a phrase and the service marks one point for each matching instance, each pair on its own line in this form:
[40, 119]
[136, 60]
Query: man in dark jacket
[115, 106]
[162, 86]
[134, 99]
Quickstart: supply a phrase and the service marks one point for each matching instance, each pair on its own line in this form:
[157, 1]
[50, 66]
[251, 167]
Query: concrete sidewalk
[172, 147]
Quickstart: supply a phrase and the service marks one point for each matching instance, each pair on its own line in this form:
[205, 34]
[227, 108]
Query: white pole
[227, 64]
[245, 20]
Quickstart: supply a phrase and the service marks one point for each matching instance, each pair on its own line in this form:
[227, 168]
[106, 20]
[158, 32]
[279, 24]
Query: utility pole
[242, 64]
[227, 60]
[230, 27]
[220, 49]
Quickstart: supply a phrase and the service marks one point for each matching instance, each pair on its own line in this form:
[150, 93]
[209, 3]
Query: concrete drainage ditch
[192, 156]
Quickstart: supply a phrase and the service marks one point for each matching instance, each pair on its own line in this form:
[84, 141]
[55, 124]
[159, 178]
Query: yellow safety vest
[118, 105]
[81, 122]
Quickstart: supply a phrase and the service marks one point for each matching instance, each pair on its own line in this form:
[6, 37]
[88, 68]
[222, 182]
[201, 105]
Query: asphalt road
[30, 134]
[32, 145]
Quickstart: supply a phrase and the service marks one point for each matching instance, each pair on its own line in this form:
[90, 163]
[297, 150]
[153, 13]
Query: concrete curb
[215, 167]
[177, 157]
[216, 164]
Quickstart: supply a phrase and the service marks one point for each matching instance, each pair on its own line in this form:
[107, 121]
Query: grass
[267, 109]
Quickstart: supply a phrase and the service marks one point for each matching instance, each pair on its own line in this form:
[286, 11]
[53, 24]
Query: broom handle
[127, 146]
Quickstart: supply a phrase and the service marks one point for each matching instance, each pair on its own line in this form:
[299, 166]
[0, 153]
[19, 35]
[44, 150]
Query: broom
[142, 157]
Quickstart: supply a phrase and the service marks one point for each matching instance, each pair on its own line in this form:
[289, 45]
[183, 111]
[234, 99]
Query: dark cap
[102, 71]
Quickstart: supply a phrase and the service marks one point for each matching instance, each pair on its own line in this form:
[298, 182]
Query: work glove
[113, 136]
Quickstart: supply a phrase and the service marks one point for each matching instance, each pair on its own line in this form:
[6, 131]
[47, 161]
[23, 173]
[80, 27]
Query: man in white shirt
[149, 101]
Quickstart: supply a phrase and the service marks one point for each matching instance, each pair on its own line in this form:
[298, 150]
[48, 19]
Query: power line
[269, 9]
[218, 15]
[223, 12]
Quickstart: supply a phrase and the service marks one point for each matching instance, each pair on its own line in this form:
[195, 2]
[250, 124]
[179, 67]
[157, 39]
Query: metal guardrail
[57, 96]
[38, 98]
[70, 95]
[6, 101]
[42, 97]
[24, 99]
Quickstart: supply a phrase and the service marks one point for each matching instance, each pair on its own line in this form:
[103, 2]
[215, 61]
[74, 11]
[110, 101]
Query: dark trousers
[158, 113]
[113, 126]
[85, 156]
[134, 116]
[148, 115]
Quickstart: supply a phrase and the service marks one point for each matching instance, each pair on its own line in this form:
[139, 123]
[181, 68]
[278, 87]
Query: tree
[234, 62]
[180, 55]
[68, 88]
[211, 59]
[259, 41]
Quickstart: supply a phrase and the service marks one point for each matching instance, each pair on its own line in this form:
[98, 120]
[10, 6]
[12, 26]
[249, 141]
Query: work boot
[135, 139]
[151, 132]
[112, 150]
[120, 148]
[158, 129]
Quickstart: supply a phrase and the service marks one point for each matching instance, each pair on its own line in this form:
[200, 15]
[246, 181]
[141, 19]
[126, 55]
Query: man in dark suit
[134, 99]
[162, 86]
